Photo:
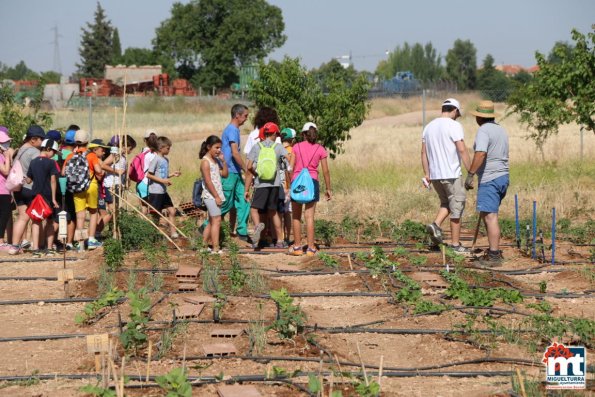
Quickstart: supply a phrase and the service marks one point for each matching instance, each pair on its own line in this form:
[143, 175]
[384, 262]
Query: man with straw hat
[490, 163]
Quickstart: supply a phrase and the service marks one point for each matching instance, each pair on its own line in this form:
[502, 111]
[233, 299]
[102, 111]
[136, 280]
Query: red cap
[269, 128]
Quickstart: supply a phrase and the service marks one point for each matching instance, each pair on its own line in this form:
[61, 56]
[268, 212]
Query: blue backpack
[302, 187]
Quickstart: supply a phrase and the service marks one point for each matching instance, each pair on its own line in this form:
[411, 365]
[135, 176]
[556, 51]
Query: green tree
[298, 97]
[20, 72]
[561, 47]
[17, 118]
[116, 47]
[461, 64]
[210, 39]
[49, 77]
[493, 83]
[521, 78]
[560, 92]
[422, 60]
[334, 70]
[96, 46]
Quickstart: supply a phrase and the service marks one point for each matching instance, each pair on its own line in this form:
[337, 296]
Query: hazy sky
[317, 30]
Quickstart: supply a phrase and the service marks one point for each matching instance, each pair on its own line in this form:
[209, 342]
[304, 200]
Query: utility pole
[57, 66]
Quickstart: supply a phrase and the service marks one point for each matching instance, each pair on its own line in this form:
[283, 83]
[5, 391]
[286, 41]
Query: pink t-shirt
[3, 189]
[310, 154]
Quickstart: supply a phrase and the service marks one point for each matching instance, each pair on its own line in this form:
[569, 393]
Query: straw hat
[485, 110]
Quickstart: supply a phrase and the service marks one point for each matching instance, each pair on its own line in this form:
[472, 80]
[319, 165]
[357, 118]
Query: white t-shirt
[253, 139]
[440, 136]
[148, 158]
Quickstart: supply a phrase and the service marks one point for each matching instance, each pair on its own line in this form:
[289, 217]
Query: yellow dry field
[379, 174]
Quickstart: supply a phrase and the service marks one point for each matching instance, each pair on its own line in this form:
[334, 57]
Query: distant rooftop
[511, 70]
[133, 74]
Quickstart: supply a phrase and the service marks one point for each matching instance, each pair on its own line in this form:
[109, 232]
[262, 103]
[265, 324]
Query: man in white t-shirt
[442, 149]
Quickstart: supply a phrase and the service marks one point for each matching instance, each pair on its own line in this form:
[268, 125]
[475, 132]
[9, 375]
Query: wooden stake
[349, 260]
[443, 249]
[359, 353]
[184, 358]
[320, 376]
[122, 377]
[380, 374]
[115, 373]
[97, 362]
[521, 382]
[163, 217]
[149, 360]
[150, 221]
[339, 366]
[331, 384]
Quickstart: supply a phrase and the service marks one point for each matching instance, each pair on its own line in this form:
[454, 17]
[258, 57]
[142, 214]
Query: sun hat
[69, 137]
[150, 132]
[97, 143]
[54, 135]
[35, 131]
[287, 133]
[453, 102]
[485, 110]
[49, 144]
[81, 137]
[309, 125]
[4, 137]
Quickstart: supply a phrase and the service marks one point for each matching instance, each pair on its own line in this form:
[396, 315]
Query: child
[308, 154]
[288, 140]
[6, 153]
[68, 197]
[43, 173]
[159, 178]
[142, 187]
[212, 167]
[266, 189]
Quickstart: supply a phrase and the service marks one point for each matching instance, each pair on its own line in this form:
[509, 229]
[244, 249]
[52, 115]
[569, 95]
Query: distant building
[511, 70]
[132, 74]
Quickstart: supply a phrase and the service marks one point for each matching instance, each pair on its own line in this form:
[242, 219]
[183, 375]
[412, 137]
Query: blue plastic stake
[533, 254]
[553, 235]
[517, 223]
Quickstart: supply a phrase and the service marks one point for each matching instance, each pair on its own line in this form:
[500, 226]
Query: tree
[49, 77]
[298, 97]
[116, 47]
[331, 71]
[17, 118]
[96, 46]
[461, 64]
[423, 61]
[560, 92]
[561, 47]
[521, 78]
[492, 83]
[20, 72]
[210, 39]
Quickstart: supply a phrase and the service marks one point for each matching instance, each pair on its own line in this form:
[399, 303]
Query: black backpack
[77, 173]
[197, 195]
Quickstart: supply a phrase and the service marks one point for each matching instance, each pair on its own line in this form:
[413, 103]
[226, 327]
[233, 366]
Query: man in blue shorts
[490, 163]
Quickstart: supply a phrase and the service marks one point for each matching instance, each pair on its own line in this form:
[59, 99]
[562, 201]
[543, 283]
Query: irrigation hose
[35, 278]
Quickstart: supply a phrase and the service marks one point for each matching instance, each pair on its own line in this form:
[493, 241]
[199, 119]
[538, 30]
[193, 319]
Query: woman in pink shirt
[6, 153]
[308, 154]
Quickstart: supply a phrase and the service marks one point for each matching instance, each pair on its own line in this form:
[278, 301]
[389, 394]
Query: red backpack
[137, 167]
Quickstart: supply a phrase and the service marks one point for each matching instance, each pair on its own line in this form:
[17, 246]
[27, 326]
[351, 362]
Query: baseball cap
[453, 102]
[69, 137]
[308, 125]
[287, 133]
[81, 137]
[97, 143]
[4, 137]
[54, 135]
[35, 131]
[268, 128]
[49, 144]
[150, 132]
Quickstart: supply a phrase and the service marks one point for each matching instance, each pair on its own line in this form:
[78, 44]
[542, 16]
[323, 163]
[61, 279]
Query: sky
[317, 30]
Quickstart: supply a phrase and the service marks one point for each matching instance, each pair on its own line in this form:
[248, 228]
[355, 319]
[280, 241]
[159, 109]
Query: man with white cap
[442, 150]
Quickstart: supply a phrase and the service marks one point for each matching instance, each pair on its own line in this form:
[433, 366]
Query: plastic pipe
[553, 235]
[517, 223]
[533, 253]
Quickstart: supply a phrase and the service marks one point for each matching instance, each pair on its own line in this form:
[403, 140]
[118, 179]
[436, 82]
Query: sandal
[311, 252]
[296, 251]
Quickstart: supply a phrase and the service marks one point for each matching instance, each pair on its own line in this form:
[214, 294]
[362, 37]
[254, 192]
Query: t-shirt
[440, 136]
[92, 159]
[253, 156]
[114, 179]
[492, 139]
[160, 168]
[308, 155]
[40, 171]
[25, 156]
[3, 189]
[253, 139]
[231, 133]
[149, 156]
[62, 179]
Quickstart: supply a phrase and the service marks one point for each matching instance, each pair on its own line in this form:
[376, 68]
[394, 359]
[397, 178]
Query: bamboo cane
[149, 360]
[163, 217]
[359, 353]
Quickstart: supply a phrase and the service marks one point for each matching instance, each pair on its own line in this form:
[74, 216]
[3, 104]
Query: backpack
[137, 167]
[266, 166]
[77, 173]
[302, 187]
[39, 209]
[197, 194]
[14, 180]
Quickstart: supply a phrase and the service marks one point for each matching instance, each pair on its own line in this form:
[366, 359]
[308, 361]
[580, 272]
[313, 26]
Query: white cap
[54, 144]
[453, 102]
[150, 132]
[308, 125]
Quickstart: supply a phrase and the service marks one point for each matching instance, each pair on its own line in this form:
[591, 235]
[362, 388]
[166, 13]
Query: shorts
[281, 202]
[316, 191]
[491, 193]
[266, 198]
[160, 201]
[23, 197]
[212, 208]
[142, 190]
[452, 195]
[108, 198]
[63, 205]
[87, 199]
[69, 205]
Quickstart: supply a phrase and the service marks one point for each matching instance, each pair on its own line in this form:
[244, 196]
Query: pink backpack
[15, 178]
[137, 167]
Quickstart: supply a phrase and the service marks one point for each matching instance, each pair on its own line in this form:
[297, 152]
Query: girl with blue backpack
[305, 188]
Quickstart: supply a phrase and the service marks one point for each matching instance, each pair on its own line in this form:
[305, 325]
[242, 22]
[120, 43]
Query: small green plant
[32, 380]
[135, 334]
[543, 286]
[400, 251]
[459, 289]
[237, 277]
[155, 282]
[156, 255]
[423, 306]
[326, 231]
[530, 387]
[328, 260]
[168, 336]
[131, 280]
[349, 227]
[136, 232]
[367, 390]
[106, 281]
[91, 309]
[211, 282]
[255, 282]
[257, 333]
[98, 391]
[542, 306]
[314, 385]
[175, 383]
[291, 319]
[377, 262]
[113, 252]
[418, 260]
[454, 257]
[410, 292]
[410, 230]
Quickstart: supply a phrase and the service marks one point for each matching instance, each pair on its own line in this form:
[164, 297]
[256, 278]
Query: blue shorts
[491, 193]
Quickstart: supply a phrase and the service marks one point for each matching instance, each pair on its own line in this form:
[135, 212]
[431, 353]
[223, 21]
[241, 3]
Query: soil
[22, 317]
